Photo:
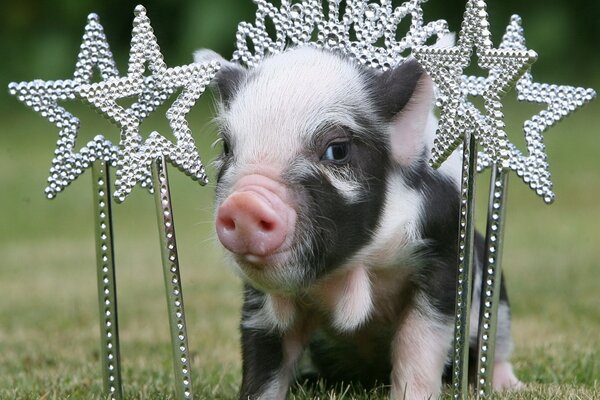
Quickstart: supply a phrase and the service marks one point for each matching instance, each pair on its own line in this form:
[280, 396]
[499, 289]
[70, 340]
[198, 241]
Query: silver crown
[367, 31]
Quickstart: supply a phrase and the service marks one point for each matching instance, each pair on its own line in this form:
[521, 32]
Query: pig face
[309, 140]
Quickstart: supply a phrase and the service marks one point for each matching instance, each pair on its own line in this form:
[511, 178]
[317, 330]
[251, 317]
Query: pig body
[346, 239]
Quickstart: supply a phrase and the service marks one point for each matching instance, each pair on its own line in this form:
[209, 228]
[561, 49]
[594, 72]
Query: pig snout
[255, 220]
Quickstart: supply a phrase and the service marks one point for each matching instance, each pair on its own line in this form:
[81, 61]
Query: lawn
[49, 346]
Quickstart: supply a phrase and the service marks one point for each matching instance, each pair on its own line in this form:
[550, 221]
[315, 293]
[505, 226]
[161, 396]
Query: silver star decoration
[44, 96]
[137, 155]
[445, 66]
[296, 22]
[560, 100]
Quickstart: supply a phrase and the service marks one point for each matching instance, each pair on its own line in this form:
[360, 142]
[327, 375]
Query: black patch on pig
[342, 228]
[262, 351]
[393, 88]
[437, 276]
[229, 80]
[361, 357]
[225, 159]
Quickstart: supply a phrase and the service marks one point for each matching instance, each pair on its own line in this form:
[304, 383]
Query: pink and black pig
[344, 236]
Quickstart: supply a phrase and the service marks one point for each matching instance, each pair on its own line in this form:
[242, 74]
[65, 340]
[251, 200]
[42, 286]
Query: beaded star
[44, 97]
[560, 100]
[137, 155]
[446, 65]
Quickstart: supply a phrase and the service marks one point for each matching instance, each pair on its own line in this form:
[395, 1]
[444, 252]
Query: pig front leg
[269, 355]
[420, 349]
[262, 363]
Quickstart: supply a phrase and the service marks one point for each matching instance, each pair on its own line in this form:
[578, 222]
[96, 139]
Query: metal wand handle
[491, 280]
[166, 230]
[460, 361]
[107, 291]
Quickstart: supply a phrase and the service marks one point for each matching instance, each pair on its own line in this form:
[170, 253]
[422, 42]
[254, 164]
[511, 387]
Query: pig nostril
[267, 226]
[228, 223]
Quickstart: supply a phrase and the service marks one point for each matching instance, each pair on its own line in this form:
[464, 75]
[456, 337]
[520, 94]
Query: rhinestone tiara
[366, 31]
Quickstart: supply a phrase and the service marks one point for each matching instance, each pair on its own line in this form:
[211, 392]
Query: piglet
[345, 237]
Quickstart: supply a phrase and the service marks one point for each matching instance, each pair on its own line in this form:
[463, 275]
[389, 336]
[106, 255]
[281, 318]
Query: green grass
[48, 313]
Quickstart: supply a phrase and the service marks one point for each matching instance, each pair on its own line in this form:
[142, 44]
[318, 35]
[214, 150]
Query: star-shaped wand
[139, 158]
[68, 165]
[462, 122]
[533, 169]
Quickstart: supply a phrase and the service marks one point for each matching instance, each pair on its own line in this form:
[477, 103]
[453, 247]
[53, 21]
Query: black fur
[437, 275]
[341, 227]
[262, 352]
[394, 87]
[229, 80]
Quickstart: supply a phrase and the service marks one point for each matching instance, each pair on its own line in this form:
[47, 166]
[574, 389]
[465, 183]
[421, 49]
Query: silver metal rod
[107, 291]
[460, 387]
[166, 230]
[492, 276]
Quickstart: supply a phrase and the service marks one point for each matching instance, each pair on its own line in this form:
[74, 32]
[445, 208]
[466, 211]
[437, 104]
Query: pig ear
[405, 94]
[228, 79]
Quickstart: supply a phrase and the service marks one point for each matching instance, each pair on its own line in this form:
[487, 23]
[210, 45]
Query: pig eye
[337, 151]
[225, 147]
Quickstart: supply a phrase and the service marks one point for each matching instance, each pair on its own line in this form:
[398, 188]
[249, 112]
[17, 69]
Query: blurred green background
[48, 312]
[40, 38]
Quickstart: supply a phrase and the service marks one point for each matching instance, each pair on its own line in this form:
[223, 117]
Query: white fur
[275, 132]
[504, 344]
[419, 352]
[282, 311]
[399, 227]
[346, 184]
[277, 388]
[261, 320]
[207, 55]
[283, 277]
[354, 303]
[475, 306]
[408, 126]
[504, 377]
[277, 313]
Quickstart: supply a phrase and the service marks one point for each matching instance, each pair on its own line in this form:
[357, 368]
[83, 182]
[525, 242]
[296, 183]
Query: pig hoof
[504, 377]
